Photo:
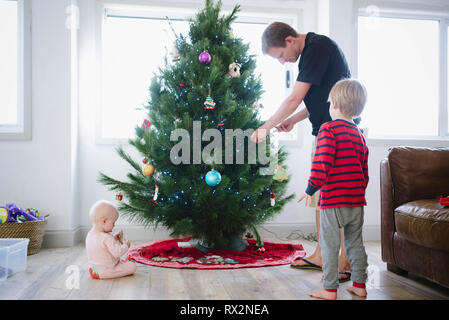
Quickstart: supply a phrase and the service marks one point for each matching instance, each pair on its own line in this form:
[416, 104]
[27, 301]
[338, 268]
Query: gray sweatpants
[351, 220]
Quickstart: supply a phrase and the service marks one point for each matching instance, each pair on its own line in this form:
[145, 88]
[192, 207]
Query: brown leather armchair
[414, 226]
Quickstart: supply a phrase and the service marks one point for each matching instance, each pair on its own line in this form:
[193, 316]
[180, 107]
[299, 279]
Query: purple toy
[16, 214]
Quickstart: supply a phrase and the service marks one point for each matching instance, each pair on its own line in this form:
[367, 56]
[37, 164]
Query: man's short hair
[350, 96]
[275, 34]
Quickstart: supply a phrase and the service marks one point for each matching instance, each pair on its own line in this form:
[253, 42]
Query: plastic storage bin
[13, 256]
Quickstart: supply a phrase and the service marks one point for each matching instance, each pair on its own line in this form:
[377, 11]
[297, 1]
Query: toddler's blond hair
[350, 96]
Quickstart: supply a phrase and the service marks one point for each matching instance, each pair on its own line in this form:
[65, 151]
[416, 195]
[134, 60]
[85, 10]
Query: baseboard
[293, 231]
[62, 238]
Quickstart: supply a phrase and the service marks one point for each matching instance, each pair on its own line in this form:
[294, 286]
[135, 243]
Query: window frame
[129, 9]
[443, 102]
[22, 130]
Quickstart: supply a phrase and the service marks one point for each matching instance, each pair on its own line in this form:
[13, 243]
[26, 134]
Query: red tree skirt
[166, 253]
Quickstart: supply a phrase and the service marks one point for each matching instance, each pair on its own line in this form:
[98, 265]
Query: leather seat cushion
[424, 222]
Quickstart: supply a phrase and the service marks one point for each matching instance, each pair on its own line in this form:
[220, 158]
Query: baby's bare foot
[361, 292]
[323, 294]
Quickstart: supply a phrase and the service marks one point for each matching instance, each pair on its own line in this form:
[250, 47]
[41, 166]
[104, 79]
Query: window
[398, 61]
[133, 49]
[134, 45]
[14, 68]
[8, 62]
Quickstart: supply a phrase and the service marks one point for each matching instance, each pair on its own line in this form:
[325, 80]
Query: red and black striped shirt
[340, 166]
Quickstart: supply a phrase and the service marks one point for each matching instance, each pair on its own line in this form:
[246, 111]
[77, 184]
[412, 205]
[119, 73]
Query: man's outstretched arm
[288, 106]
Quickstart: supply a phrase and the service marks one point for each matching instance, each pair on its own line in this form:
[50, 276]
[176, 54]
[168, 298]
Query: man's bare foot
[323, 294]
[344, 264]
[361, 292]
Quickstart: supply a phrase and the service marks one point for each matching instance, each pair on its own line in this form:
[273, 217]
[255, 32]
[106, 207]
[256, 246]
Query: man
[321, 64]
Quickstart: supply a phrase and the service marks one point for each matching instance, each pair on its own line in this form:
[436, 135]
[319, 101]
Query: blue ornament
[213, 178]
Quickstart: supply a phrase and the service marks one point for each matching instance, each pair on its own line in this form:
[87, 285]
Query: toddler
[103, 249]
[340, 172]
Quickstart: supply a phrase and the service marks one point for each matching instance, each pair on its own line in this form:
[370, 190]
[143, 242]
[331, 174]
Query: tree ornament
[174, 54]
[272, 198]
[280, 174]
[261, 250]
[148, 170]
[144, 160]
[205, 57]
[182, 84]
[220, 126]
[231, 34]
[119, 196]
[257, 106]
[213, 178]
[234, 70]
[146, 124]
[177, 121]
[156, 190]
[209, 104]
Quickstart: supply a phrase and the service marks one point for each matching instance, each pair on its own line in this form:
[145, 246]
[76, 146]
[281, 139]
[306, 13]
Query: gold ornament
[148, 170]
[280, 174]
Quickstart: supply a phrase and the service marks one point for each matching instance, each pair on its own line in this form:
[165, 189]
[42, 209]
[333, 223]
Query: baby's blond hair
[350, 96]
[101, 209]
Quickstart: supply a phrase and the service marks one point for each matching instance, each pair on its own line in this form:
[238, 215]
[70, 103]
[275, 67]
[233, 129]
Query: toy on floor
[104, 249]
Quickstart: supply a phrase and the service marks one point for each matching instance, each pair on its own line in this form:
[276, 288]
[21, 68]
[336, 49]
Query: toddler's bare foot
[361, 292]
[323, 294]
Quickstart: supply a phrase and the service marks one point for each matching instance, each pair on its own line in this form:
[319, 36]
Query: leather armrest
[387, 213]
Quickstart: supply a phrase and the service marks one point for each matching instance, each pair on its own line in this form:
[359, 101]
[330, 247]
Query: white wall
[57, 170]
[37, 173]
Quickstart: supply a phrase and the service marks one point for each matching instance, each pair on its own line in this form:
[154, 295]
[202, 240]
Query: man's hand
[307, 197]
[286, 125]
[259, 135]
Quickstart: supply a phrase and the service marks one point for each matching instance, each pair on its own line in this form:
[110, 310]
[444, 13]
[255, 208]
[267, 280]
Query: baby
[103, 249]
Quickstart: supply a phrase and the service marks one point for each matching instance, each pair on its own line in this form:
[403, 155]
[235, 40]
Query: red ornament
[146, 124]
[144, 160]
[272, 199]
[118, 197]
[182, 85]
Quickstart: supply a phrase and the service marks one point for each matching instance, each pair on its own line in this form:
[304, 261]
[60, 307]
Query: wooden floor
[50, 273]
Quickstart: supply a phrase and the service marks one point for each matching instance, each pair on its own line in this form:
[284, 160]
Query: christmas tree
[209, 83]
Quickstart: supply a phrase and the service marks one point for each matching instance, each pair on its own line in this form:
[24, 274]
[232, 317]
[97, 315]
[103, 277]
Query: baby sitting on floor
[104, 249]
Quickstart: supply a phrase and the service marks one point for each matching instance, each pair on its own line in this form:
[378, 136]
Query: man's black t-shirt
[322, 63]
